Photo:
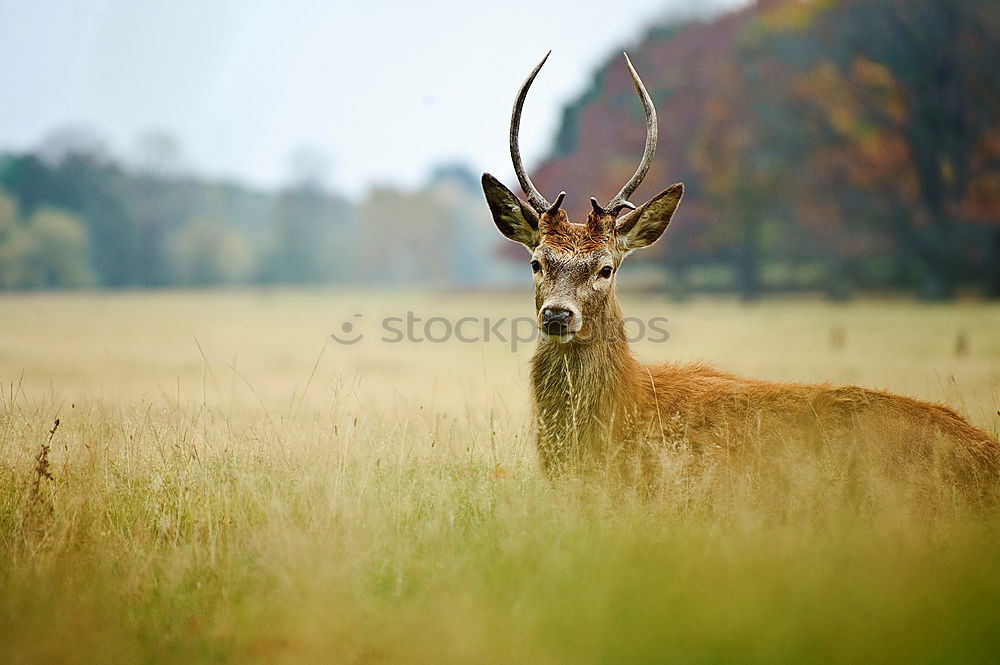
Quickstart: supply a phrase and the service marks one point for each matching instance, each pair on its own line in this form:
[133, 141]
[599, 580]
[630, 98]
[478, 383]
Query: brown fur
[596, 406]
[574, 239]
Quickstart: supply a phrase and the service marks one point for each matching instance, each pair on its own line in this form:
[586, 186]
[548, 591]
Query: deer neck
[580, 388]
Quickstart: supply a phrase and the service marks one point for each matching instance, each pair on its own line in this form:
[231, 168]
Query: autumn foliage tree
[905, 95]
[827, 144]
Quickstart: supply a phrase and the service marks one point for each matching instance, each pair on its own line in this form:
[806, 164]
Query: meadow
[226, 483]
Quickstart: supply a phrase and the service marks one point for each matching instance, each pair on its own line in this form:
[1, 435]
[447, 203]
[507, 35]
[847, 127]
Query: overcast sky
[385, 90]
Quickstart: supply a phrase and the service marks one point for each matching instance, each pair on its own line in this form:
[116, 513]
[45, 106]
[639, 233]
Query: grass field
[226, 484]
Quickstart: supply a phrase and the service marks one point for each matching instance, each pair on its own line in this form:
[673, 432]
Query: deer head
[575, 264]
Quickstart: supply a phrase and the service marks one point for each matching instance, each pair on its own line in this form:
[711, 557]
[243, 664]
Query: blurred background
[829, 147]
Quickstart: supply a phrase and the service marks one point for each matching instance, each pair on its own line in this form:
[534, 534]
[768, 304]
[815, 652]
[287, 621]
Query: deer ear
[515, 218]
[644, 225]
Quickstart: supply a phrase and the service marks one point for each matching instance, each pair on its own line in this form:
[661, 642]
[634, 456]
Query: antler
[621, 197]
[619, 201]
[537, 201]
[554, 208]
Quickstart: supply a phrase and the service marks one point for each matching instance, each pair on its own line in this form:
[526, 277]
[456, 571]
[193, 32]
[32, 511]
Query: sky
[384, 91]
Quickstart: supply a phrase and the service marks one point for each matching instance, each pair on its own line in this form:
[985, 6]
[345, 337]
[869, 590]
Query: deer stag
[594, 403]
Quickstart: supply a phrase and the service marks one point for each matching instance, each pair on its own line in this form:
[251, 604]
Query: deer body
[596, 406]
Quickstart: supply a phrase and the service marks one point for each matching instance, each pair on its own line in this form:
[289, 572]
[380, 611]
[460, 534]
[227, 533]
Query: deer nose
[555, 320]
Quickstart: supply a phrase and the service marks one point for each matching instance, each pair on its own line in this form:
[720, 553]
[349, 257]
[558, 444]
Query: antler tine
[647, 154]
[537, 200]
[552, 209]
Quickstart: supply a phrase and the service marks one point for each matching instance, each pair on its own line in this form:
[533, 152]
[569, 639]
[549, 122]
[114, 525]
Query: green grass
[227, 487]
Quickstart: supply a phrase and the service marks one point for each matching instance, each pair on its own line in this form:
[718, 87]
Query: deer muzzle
[558, 320]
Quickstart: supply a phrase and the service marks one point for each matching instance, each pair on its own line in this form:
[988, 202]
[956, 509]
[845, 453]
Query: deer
[596, 406]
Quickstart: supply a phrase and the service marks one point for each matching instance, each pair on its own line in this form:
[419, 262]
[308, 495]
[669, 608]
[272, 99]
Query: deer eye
[605, 272]
[535, 266]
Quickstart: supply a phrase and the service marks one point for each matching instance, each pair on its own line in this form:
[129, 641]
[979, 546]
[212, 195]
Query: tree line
[832, 146]
[71, 216]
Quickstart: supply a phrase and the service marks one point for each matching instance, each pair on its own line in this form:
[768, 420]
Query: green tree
[8, 214]
[49, 250]
[61, 256]
[209, 252]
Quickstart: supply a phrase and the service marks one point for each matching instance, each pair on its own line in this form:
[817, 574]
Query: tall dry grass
[223, 486]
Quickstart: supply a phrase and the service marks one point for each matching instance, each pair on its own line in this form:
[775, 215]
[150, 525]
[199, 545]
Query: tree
[903, 97]
[709, 139]
[49, 250]
[61, 256]
[207, 252]
[857, 137]
[158, 154]
[403, 236]
[83, 181]
[8, 215]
